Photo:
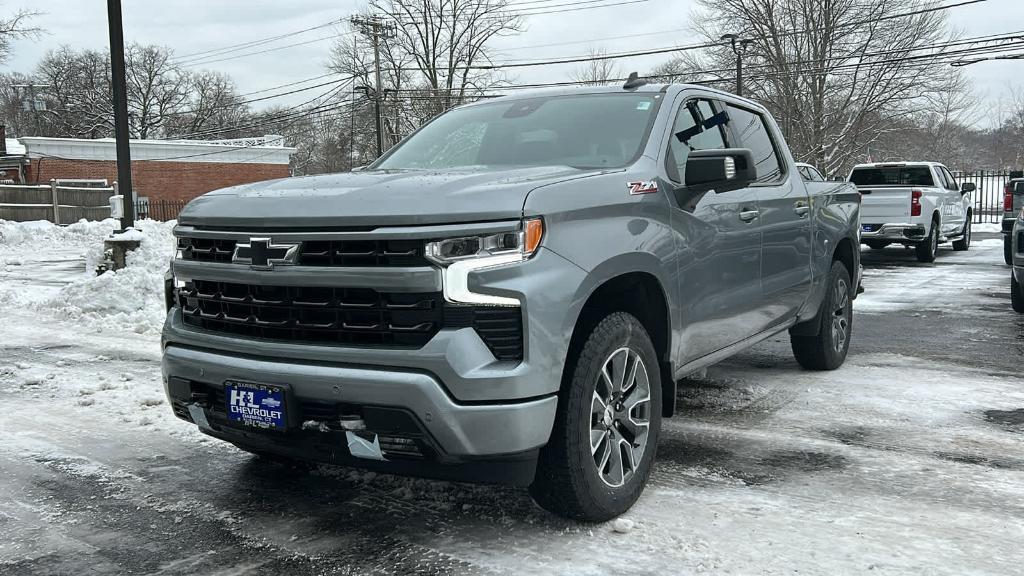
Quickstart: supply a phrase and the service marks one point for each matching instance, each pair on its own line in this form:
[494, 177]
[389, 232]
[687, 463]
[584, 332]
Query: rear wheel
[928, 248]
[965, 240]
[606, 429]
[876, 244]
[828, 348]
[1016, 294]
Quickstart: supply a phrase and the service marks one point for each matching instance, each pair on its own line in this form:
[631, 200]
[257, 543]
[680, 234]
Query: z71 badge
[642, 187]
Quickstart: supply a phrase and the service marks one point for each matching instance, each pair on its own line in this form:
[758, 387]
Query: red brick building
[161, 170]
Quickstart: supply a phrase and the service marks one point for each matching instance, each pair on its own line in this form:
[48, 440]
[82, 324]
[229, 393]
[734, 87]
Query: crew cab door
[718, 240]
[955, 208]
[785, 216]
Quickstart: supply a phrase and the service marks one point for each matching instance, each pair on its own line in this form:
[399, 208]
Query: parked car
[1017, 272]
[917, 204]
[511, 293]
[809, 173]
[1013, 202]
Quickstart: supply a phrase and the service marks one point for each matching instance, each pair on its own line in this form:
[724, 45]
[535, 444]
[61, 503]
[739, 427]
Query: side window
[752, 133]
[804, 173]
[696, 128]
[950, 181]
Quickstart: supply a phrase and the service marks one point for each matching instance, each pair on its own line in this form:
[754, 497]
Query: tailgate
[881, 205]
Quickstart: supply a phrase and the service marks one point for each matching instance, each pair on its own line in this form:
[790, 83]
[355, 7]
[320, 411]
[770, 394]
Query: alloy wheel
[620, 416]
[840, 315]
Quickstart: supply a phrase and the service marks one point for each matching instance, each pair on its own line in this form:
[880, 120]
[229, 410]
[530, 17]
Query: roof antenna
[633, 82]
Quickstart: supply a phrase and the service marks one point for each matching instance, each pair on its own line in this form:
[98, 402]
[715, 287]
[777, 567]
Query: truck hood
[376, 198]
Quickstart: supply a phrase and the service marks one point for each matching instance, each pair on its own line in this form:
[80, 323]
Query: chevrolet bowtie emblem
[262, 254]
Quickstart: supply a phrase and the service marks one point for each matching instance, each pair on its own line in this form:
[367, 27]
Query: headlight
[523, 242]
[460, 256]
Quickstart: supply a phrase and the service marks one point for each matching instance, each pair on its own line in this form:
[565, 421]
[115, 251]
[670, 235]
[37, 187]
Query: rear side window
[892, 176]
[950, 181]
[752, 132]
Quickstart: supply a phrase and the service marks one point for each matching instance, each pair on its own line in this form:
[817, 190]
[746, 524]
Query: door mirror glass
[720, 170]
[968, 187]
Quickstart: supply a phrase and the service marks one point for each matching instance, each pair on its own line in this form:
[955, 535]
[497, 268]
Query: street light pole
[117, 73]
[739, 47]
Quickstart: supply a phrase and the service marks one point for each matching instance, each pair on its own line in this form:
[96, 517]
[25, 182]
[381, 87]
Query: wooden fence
[58, 204]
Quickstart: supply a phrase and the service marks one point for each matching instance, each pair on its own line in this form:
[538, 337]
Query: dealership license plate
[867, 228]
[256, 405]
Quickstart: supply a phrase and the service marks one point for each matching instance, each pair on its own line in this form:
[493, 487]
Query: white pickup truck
[915, 204]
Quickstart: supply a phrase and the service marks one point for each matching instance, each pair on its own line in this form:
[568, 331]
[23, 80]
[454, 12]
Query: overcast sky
[189, 26]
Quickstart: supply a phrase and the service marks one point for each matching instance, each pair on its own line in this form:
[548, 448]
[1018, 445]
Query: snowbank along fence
[53, 202]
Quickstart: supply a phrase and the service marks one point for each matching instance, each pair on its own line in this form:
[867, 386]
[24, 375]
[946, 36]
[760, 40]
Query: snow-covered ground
[908, 460]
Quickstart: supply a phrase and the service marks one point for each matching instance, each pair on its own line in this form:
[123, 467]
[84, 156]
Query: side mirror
[968, 187]
[720, 170]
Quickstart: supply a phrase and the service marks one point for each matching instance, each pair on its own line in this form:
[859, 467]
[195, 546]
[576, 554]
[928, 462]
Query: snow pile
[42, 234]
[130, 298]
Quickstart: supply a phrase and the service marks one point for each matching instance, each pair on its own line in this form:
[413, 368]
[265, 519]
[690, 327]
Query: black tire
[965, 240]
[1016, 295]
[827, 350]
[568, 481]
[1008, 249]
[928, 248]
[876, 244]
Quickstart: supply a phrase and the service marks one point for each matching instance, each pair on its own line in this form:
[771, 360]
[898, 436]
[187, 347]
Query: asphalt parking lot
[908, 460]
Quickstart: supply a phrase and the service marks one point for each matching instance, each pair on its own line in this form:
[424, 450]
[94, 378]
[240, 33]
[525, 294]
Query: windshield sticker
[643, 105]
[642, 187]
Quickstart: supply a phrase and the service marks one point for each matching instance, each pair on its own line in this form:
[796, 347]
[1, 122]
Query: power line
[260, 41]
[203, 61]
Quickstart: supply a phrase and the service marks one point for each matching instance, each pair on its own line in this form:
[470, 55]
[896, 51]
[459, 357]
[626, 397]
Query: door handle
[802, 209]
[749, 215]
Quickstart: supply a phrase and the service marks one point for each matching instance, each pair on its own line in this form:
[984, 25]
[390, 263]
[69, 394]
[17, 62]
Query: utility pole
[739, 47]
[376, 28]
[33, 104]
[117, 74]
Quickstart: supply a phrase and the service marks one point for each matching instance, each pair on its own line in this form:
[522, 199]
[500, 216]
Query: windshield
[892, 176]
[581, 131]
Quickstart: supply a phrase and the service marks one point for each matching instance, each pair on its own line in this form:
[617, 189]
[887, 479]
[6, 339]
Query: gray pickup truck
[511, 293]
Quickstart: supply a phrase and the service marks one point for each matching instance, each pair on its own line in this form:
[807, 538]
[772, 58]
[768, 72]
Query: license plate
[256, 405]
[866, 227]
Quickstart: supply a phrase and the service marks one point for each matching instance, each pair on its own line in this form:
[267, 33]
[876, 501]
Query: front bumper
[406, 405]
[894, 232]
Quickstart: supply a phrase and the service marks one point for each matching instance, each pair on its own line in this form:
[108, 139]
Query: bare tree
[78, 100]
[837, 74]
[157, 89]
[599, 71]
[14, 27]
[437, 59]
[214, 108]
[164, 100]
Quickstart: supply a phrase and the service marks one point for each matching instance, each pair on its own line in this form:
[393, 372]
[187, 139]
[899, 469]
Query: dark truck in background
[511, 293]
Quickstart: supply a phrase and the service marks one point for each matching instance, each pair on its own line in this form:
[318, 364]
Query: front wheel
[1016, 294]
[606, 430]
[1008, 249]
[828, 348]
[965, 240]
